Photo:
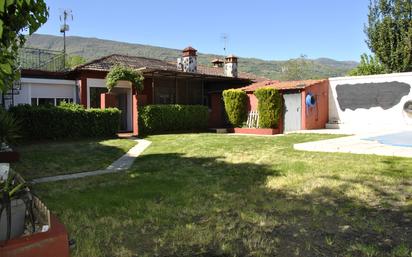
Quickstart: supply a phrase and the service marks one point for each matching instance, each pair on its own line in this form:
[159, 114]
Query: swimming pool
[403, 138]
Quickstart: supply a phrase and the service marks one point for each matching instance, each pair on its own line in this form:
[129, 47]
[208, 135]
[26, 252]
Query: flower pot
[9, 156]
[18, 214]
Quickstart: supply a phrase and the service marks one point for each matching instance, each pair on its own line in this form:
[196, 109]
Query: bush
[269, 107]
[235, 106]
[9, 128]
[167, 118]
[66, 121]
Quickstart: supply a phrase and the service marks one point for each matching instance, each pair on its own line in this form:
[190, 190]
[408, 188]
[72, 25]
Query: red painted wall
[135, 112]
[252, 104]
[316, 117]
[215, 113]
[83, 91]
[108, 100]
[146, 96]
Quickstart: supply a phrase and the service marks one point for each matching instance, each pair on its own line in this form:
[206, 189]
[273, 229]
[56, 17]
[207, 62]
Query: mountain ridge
[92, 48]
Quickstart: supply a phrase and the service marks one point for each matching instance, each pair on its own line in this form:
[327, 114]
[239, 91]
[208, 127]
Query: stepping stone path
[123, 163]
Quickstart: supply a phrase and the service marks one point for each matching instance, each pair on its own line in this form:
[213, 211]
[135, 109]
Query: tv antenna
[65, 14]
[225, 38]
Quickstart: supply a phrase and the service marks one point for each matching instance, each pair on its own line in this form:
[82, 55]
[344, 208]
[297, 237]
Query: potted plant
[9, 133]
[14, 198]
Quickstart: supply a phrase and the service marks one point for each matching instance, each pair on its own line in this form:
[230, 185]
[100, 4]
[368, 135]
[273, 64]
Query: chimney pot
[188, 61]
[231, 66]
[217, 63]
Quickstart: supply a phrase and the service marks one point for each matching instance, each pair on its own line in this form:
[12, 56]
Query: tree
[369, 65]
[16, 17]
[297, 69]
[75, 60]
[389, 32]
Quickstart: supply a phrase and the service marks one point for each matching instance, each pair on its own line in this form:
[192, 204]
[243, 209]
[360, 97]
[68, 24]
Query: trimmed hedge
[235, 106]
[168, 118]
[269, 107]
[66, 121]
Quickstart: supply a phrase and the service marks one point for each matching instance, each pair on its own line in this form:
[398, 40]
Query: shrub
[66, 121]
[9, 128]
[167, 118]
[269, 107]
[235, 106]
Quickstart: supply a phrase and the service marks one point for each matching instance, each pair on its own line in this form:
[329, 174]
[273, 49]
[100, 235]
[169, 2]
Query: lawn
[221, 195]
[56, 158]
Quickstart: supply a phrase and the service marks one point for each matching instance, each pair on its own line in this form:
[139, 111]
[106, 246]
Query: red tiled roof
[107, 62]
[218, 71]
[189, 48]
[282, 85]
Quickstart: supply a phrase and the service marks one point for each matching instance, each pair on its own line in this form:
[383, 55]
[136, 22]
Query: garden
[222, 195]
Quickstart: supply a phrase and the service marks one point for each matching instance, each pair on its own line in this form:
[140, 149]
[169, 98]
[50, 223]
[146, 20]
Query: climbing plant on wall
[235, 106]
[119, 72]
[269, 107]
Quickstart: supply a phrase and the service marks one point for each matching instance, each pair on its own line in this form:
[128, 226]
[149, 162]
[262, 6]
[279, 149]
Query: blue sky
[265, 29]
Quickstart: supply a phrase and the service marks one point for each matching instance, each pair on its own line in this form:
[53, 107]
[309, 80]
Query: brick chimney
[230, 69]
[217, 63]
[188, 61]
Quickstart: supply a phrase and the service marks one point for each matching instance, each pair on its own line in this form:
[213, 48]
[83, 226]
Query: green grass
[55, 158]
[220, 195]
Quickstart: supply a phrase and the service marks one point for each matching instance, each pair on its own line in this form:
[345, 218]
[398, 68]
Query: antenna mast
[64, 16]
[225, 39]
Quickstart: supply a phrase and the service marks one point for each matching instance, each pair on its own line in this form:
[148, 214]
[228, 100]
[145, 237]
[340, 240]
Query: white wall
[44, 88]
[373, 116]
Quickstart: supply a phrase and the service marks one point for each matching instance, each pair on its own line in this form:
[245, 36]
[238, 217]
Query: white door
[293, 112]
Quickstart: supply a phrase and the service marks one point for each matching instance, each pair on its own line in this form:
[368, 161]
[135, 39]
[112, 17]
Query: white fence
[253, 119]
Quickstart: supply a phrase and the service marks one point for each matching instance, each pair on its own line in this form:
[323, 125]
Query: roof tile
[282, 85]
[107, 62]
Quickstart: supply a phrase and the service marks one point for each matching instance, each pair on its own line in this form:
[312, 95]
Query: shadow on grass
[180, 205]
[233, 213]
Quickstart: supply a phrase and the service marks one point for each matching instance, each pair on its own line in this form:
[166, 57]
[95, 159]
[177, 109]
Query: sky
[264, 29]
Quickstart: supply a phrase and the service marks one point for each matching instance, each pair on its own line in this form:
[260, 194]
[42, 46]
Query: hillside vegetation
[91, 48]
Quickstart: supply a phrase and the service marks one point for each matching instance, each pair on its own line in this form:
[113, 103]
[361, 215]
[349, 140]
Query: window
[165, 91]
[50, 101]
[45, 101]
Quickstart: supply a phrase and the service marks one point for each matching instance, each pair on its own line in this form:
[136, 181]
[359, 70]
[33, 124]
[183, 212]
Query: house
[184, 82]
[305, 104]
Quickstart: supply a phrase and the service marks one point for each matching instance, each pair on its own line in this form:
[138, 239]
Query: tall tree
[389, 32]
[369, 65]
[17, 17]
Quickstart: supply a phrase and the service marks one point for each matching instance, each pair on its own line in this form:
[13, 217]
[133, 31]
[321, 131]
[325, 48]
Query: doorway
[293, 112]
[122, 105]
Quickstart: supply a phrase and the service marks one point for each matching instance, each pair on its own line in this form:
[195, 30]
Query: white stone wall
[230, 69]
[370, 101]
[189, 63]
